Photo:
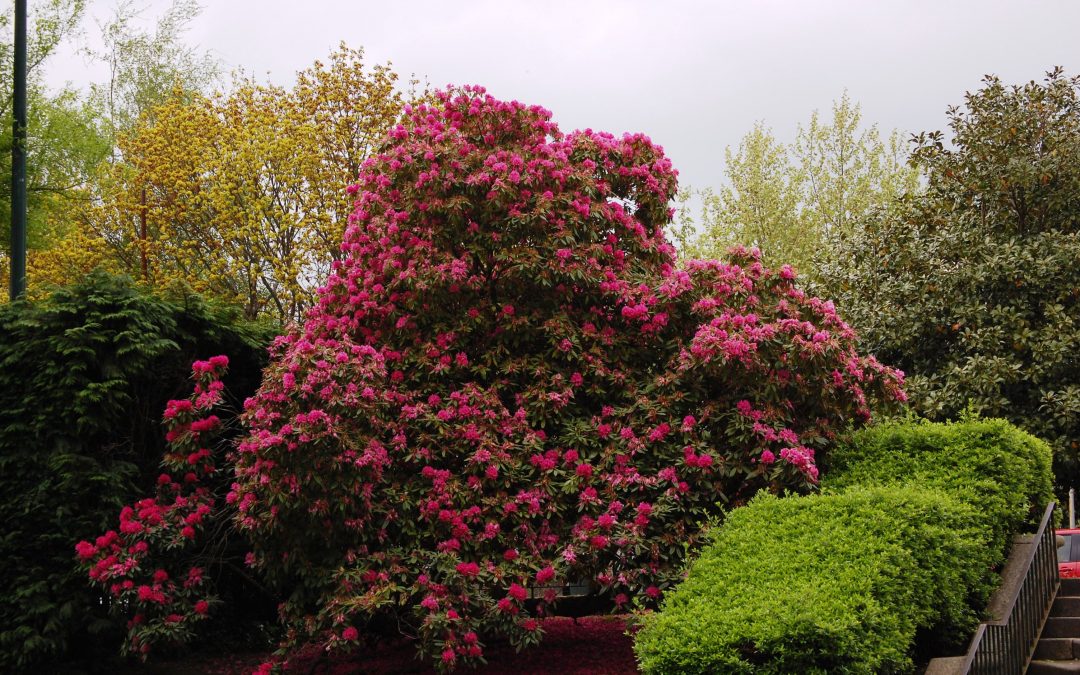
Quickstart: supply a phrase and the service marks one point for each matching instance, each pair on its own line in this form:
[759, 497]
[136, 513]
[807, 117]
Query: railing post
[1009, 640]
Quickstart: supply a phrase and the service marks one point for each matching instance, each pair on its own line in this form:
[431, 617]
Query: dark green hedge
[903, 541]
[84, 376]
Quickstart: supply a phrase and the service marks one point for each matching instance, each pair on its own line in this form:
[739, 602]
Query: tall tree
[848, 171]
[760, 205]
[240, 195]
[71, 133]
[148, 67]
[971, 286]
[790, 199]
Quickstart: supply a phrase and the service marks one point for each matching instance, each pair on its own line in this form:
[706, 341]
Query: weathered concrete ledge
[997, 610]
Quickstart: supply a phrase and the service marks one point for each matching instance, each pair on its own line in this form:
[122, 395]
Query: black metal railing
[1004, 645]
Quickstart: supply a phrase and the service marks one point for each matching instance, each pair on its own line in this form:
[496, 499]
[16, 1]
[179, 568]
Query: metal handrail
[1004, 646]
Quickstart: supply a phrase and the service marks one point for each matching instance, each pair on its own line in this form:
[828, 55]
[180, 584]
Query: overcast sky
[693, 75]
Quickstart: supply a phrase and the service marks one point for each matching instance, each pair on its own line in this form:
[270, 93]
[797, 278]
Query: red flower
[85, 549]
[518, 592]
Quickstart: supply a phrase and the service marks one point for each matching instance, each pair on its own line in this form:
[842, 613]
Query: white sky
[694, 75]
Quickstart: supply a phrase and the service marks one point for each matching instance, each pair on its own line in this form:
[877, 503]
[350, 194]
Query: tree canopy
[791, 200]
[971, 286]
[239, 195]
[64, 139]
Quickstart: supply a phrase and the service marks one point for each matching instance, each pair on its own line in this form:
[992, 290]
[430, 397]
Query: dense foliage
[823, 584]
[83, 378]
[971, 286]
[1003, 470]
[507, 385]
[902, 542]
[240, 194]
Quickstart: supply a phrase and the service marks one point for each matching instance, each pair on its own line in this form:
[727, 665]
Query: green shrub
[1003, 471]
[825, 584]
[84, 376]
[903, 542]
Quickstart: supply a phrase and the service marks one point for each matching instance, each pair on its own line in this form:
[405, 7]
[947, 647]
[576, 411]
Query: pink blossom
[545, 575]
[85, 549]
[659, 432]
[517, 592]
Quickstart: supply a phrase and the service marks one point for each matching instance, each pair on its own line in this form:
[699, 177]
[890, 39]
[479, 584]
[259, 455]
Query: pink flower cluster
[507, 383]
[140, 564]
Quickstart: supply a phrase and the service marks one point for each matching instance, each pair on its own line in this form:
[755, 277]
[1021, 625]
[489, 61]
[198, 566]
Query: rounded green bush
[904, 539]
[1003, 470]
[833, 583]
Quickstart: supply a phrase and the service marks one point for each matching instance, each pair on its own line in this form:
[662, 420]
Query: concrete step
[946, 665]
[1042, 667]
[1057, 649]
[1070, 586]
[1062, 627]
[1066, 605]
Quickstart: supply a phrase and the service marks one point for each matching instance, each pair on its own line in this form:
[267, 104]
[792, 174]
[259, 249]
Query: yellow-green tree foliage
[792, 200]
[241, 195]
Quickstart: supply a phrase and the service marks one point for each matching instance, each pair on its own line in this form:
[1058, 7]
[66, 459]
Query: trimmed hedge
[1004, 471]
[904, 540]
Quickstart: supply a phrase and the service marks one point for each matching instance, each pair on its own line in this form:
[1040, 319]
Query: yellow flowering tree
[241, 195]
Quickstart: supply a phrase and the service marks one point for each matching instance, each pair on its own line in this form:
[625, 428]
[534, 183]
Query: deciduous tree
[791, 200]
[64, 139]
[241, 195]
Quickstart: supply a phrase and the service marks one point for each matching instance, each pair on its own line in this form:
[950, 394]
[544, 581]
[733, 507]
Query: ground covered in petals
[595, 645]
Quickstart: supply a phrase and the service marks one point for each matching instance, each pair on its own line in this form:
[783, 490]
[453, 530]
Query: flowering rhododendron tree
[507, 385]
[150, 564]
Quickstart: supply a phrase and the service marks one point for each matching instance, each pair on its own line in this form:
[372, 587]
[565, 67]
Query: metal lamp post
[18, 159]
